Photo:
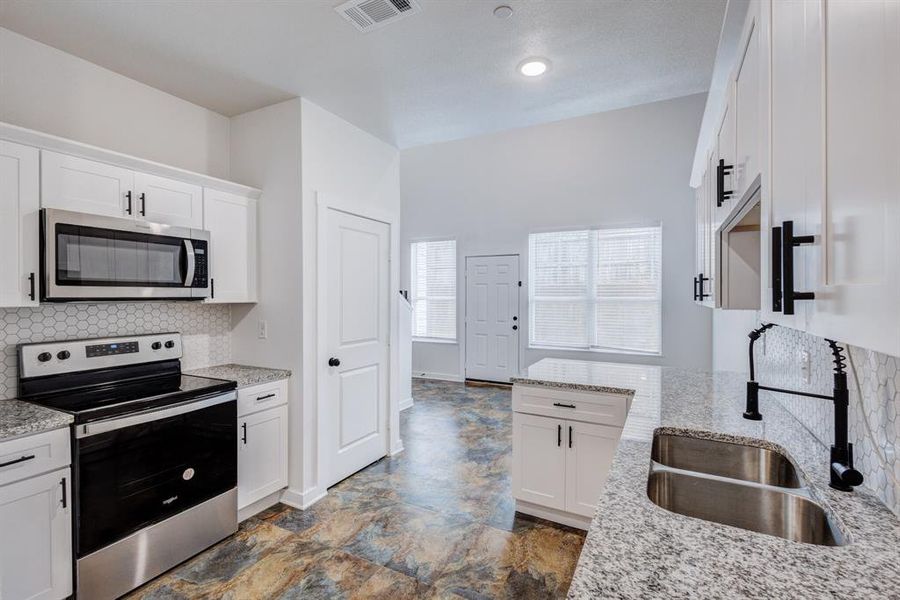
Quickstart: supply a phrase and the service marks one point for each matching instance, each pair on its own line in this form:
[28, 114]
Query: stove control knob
[44, 356]
[156, 345]
[170, 344]
[63, 354]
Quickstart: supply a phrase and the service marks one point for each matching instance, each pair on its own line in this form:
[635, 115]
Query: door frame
[393, 444]
[465, 316]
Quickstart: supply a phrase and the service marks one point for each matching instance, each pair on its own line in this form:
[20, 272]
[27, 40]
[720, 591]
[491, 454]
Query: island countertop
[635, 549]
[583, 375]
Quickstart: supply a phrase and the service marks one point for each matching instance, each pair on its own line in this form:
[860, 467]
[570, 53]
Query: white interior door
[492, 317]
[357, 300]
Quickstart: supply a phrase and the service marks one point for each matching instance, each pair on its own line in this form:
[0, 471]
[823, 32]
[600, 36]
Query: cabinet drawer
[34, 454]
[590, 407]
[262, 396]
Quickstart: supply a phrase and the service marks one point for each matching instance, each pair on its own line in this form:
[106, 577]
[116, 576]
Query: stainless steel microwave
[89, 257]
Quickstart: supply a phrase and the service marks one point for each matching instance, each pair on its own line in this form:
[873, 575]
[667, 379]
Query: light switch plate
[263, 329]
[804, 365]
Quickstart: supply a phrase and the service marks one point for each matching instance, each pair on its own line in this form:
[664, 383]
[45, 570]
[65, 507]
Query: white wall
[730, 341]
[49, 90]
[265, 153]
[343, 164]
[628, 166]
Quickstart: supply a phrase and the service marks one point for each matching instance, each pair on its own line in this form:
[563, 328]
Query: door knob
[334, 362]
[515, 327]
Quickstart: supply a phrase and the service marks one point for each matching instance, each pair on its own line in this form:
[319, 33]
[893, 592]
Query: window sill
[595, 351]
[421, 340]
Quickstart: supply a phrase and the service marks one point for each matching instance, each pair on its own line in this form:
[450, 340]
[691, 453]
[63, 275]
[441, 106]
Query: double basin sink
[735, 484]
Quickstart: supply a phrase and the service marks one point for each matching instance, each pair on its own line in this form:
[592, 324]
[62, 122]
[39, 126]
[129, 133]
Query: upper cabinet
[19, 204]
[83, 185]
[747, 118]
[231, 222]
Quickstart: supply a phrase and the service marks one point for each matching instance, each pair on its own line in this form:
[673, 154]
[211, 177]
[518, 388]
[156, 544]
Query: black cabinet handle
[563, 405]
[570, 436]
[701, 295]
[143, 204]
[776, 269]
[721, 193]
[696, 295]
[212, 287]
[16, 461]
[789, 241]
[62, 484]
[334, 362]
[128, 197]
[559, 435]
[244, 436]
[31, 286]
[266, 397]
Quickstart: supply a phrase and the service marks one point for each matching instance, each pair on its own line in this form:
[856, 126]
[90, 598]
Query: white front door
[357, 298]
[492, 317]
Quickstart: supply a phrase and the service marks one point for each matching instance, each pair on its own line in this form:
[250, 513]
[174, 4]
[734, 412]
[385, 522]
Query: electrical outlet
[263, 331]
[804, 365]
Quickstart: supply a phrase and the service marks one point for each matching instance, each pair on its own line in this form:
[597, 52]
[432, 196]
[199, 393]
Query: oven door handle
[98, 427]
[191, 263]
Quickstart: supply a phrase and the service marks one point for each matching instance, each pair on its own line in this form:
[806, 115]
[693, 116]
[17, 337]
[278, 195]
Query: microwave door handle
[191, 263]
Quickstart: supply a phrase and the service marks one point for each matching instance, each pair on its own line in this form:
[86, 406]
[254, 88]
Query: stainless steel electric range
[154, 454]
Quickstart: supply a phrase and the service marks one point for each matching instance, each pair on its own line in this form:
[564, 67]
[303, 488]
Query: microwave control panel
[201, 264]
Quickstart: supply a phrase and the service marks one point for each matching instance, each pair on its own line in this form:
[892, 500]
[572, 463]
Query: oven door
[88, 257]
[137, 470]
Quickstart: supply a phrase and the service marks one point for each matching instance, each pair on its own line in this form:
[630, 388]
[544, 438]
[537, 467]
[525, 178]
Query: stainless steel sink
[738, 485]
[737, 461]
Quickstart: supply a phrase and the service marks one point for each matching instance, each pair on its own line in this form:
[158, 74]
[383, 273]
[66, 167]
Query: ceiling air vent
[367, 15]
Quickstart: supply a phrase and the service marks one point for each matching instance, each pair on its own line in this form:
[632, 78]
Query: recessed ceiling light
[503, 12]
[533, 67]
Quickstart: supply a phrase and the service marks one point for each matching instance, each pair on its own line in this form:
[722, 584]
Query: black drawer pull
[16, 461]
[788, 242]
[244, 436]
[266, 397]
[128, 197]
[559, 435]
[701, 295]
[561, 405]
[62, 484]
[570, 436]
[776, 269]
[31, 286]
[696, 295]
[721, 193]
[143, 204]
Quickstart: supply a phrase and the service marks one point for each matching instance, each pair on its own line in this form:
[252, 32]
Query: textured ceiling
[445, 73]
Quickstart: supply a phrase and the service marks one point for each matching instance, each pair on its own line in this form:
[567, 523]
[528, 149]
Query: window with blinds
[597, 289]
[433, 287]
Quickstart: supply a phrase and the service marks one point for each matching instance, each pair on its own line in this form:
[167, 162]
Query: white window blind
[433, 283]
[596, 289]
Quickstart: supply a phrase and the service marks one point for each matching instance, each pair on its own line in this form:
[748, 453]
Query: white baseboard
[408, 403]
[552, 514]
[438, 376]
[259, 506]
[302, 500]
[397, 449]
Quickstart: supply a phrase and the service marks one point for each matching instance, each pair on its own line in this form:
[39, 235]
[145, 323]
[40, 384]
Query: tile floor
[437, 521]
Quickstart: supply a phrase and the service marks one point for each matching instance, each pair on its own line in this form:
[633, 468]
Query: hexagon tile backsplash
[206, 329]
[874, 405]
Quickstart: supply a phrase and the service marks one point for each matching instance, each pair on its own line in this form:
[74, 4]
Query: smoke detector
[368, 15]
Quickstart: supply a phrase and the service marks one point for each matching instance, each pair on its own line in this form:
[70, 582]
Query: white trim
[46, 141]
[552, 514]
[438, 376]
[260, 505]
[302, 500]
[426, 340]
[408, 403]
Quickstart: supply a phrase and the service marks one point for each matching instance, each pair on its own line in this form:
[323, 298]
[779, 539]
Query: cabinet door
[539, 460]
[725, 152]
[590, 451]
[167, 201]
[86, 186]
[747, 105]
[262, 454]
[711, 262]
[858, 285]
[231, 221]
[19, 205]
[36, 545]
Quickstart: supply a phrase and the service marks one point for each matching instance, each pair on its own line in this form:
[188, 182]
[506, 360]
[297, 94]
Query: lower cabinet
[262, 441]
[560, 465]
[36, 539]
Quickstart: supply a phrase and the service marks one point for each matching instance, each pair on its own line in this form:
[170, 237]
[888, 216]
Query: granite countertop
[18, 418]
[635, 549]
[582, 375]
[244, 375]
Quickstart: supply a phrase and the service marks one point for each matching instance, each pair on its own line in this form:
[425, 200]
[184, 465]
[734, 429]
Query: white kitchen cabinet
[563, 446]
[19, 206]
[232, 223]
[168, 201]
[725, 151]
[589, 452]
[747, 96]
[36, 543]
[87, 186]
[262, 441]
[539, 460]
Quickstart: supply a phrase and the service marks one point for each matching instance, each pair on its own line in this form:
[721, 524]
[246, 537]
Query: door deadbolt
[334, 362]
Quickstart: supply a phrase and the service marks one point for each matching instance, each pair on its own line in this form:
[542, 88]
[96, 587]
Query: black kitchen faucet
[843, 476]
